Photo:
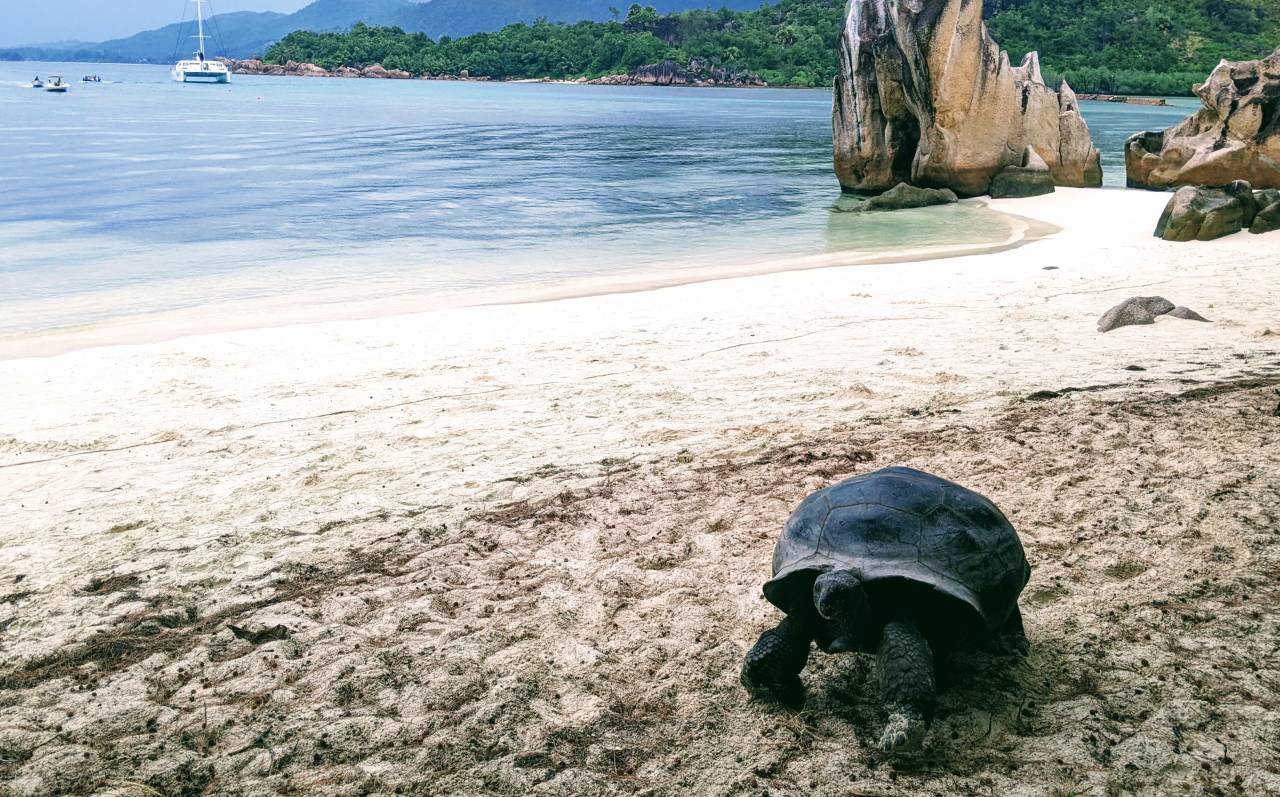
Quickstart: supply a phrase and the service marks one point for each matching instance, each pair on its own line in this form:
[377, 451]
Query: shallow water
[141, 195]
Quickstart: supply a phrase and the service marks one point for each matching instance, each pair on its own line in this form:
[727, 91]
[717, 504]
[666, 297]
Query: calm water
[140, 195]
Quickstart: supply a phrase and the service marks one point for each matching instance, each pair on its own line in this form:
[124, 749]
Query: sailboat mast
[200, 27]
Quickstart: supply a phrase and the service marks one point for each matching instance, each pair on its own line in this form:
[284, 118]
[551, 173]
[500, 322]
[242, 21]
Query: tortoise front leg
[907, 691]
[1010, 639]
[772, 667]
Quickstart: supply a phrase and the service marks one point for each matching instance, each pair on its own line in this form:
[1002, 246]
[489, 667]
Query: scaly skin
[907, 691]
[772, 667]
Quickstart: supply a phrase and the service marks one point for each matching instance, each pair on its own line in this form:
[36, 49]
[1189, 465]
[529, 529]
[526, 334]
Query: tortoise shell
[901, 523]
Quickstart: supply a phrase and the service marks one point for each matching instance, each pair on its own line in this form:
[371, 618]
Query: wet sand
[337, 304]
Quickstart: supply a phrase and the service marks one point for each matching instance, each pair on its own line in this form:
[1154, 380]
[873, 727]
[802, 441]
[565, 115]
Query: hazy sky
[38, 21]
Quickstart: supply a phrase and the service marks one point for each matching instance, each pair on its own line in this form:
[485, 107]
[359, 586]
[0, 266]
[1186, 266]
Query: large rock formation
[925, 96]
[1235, 136]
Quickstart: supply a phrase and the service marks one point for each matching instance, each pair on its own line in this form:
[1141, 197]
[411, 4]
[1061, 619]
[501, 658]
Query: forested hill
[792, 43]
[1120, 45]
[244, 34]
[1115, 46]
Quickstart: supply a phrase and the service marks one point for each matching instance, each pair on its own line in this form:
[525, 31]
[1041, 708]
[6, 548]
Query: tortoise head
[840, 599]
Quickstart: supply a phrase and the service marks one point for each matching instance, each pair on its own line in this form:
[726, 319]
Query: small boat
[199, 68]
[55, 84]
[90, 79]
[37, 83]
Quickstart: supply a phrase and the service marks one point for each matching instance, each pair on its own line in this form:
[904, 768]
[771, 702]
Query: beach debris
[105, 585]
[1134, 310]
[924, 95]
[1231, 137]
[1048, 395]
[263, 635]
[1031, 178]
[898, 563]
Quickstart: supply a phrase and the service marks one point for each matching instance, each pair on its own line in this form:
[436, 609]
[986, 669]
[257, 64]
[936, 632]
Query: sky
[28, 22]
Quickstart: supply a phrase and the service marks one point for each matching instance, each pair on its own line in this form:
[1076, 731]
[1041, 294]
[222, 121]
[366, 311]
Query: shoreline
[1133, 99]
[1129, 99]
[649, 75]
[289, 310]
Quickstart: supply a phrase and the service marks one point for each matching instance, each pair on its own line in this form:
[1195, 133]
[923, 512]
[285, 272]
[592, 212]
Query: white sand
[446, 496]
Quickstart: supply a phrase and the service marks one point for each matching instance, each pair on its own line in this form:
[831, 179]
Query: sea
[140, 197]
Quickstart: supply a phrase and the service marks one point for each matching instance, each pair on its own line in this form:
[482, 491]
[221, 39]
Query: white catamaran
[198, 68]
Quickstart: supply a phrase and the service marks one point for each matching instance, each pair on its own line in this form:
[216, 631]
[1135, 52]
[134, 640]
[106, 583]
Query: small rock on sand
[1134, 310]
[1186, 314]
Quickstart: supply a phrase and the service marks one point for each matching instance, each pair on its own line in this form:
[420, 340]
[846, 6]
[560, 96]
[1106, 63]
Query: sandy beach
[518, 549]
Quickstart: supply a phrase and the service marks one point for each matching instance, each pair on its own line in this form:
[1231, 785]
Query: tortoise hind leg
[772, 667]
[907, 690]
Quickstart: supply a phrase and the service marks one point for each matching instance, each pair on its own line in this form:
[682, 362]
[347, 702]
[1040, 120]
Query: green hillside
[1136, 46]
[247, 34]
[791, 43]
[1118, 46]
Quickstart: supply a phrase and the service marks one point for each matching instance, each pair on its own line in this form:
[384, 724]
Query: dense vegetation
[1119, 46]
[791, 43]
[245, 34]
[1136, 46]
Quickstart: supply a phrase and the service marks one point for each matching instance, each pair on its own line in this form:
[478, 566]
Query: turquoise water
[140, 195]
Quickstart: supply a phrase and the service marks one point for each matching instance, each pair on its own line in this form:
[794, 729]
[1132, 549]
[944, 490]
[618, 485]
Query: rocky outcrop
[925, 96]
[663, 74]
[1267, 220]
[377, 71]
[253, 66]
[249, 66]
[1124, 98]
[309, 70]
[1030, 178]
[1202, 214]
[700, 72]
[1266, 217]
[1234, 136]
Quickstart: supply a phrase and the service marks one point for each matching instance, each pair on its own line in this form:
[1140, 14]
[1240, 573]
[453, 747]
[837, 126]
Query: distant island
[1136, 47]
